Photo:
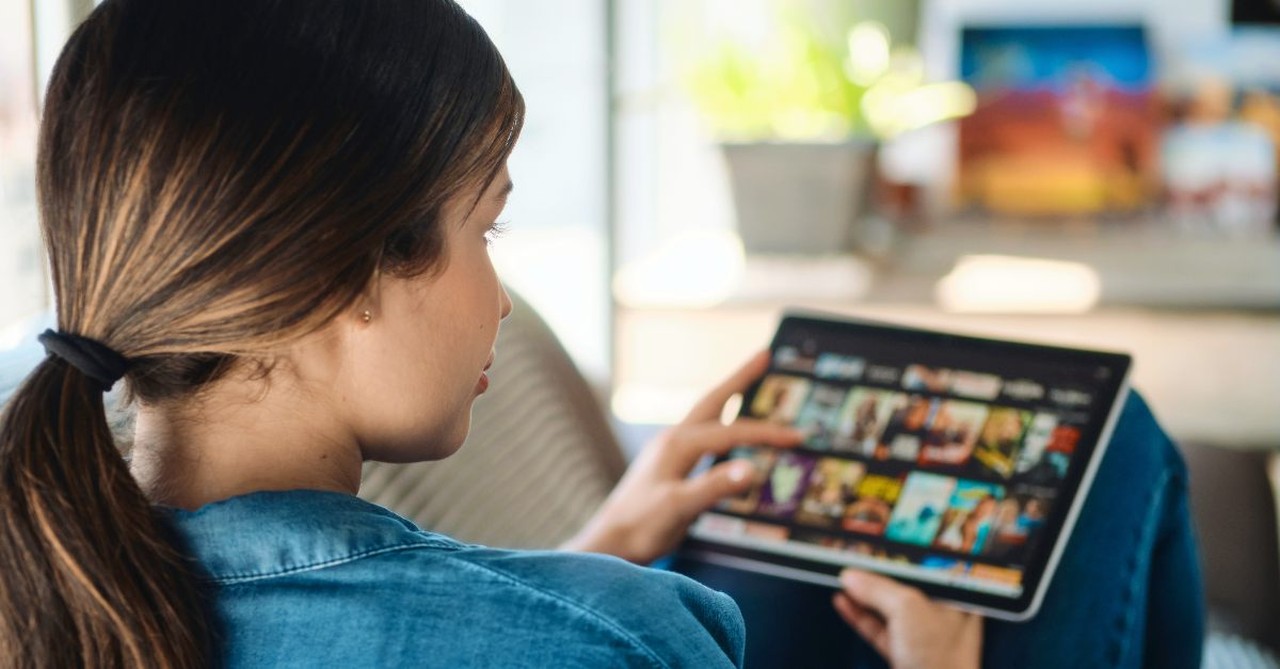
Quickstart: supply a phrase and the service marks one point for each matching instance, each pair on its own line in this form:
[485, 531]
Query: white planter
[793, 198]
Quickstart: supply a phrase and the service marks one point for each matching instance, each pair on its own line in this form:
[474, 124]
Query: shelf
[1138, 264]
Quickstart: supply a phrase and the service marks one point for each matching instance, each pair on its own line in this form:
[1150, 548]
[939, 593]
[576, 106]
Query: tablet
[954, 463]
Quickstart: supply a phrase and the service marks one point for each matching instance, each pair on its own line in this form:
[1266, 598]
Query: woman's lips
[483, 384]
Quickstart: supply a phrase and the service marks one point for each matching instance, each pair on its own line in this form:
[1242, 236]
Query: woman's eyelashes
[494, 231]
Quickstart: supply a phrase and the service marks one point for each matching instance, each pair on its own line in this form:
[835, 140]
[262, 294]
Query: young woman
[270, 219]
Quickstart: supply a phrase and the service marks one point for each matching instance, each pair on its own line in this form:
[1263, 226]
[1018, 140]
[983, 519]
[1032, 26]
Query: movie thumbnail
[820, 415]
[1047, 449]
[832, 487]
[918, 515]
[1017, 523]
[905, 428]
[952, 433]
[863, 419]
[779, 398]
[763, 458]
[970, 517]
[1001, 438]
[869, 513]
[782, 490]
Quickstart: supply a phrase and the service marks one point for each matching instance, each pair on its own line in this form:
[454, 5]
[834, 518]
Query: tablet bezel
[1044, 558]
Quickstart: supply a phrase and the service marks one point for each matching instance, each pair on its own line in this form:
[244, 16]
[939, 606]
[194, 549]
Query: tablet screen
[952, 462]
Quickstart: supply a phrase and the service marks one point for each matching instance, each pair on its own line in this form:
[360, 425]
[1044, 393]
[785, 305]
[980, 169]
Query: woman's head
[218, 180]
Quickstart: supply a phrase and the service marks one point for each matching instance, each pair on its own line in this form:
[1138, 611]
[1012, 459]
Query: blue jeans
[1127, 592]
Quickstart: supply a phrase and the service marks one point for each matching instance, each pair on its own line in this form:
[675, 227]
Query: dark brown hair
[216, 178]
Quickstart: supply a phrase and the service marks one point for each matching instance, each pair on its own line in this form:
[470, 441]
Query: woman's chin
[425, 449]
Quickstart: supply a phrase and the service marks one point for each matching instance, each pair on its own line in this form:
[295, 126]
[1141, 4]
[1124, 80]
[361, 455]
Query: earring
[366, 316]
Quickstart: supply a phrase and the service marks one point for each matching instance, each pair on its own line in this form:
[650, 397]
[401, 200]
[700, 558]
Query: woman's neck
[241, 436]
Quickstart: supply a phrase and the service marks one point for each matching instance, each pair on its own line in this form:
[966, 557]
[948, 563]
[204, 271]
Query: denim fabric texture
[317, 579]
[1128, 592]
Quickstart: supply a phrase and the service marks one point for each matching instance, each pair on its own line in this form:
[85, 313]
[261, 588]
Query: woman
[271, 219]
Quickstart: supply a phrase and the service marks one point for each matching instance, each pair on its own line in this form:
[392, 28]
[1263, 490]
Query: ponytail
[88, 574]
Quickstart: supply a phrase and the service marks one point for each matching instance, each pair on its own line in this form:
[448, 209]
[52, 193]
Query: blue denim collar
[267, 534]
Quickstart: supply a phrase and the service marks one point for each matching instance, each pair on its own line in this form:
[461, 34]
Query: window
[555, 251]
[22, 282]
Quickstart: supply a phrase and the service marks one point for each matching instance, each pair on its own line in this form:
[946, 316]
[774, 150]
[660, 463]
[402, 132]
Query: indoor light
[696, 269]
[1004, 284]
[868, 52]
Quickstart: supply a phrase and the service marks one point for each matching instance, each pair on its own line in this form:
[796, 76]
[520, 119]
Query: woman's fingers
[710, 406]
[878, 593]
[686, 444]
[867, 624]
[905, 627]
[725, 479]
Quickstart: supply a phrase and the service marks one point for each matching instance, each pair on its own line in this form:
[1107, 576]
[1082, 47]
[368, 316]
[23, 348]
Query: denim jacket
[316, 579]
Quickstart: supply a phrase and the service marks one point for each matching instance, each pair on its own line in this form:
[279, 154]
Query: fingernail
[741, 471]
[849, 578]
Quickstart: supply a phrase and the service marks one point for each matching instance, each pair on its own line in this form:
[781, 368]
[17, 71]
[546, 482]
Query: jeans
[1127, 592]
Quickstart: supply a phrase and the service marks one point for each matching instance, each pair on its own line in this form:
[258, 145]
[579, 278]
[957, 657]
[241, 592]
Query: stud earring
[366, 316]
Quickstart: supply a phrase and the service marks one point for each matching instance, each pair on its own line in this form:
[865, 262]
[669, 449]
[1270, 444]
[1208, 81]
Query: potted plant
[799, 120]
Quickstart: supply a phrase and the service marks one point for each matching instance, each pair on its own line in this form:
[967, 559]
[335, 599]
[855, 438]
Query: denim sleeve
[666, 619]
[717, 613]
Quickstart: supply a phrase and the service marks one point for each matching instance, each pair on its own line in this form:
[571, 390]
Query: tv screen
[1255, 11]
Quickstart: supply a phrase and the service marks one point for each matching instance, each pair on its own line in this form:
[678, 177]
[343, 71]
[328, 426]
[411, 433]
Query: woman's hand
[906, 628]
[650, 510]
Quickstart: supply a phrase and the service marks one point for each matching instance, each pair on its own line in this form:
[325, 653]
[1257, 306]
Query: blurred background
[1100, 173]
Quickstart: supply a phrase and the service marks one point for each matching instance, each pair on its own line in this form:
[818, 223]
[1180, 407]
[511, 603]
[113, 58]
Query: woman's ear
[366, 306]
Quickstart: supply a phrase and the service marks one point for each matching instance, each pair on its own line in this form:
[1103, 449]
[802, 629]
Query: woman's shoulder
[573, 608]
[601, 583]
[664, 617]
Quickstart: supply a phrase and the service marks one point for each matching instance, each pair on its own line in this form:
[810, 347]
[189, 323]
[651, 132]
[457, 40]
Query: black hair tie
[93, 358]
